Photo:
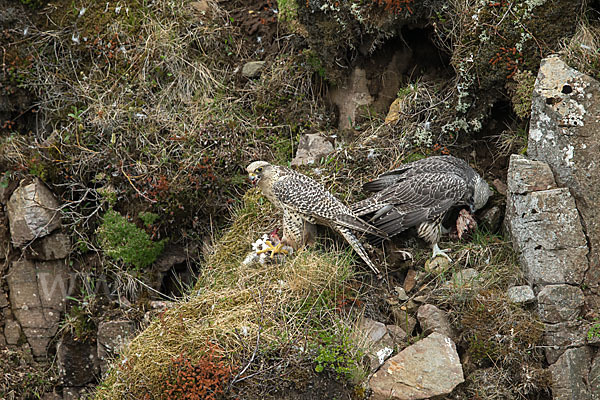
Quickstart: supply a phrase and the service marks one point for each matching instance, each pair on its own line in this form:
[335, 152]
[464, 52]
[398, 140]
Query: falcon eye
[259, 169]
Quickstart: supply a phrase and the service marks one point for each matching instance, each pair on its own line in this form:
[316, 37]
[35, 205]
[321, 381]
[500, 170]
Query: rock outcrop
[311, 149]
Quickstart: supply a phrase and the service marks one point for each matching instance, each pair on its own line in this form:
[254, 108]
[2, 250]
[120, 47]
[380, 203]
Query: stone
[32, 212]
[402, 296]
[253, 69]
[437, 265]
[521, 294]
[200, 7]
[377, 341]
[491, 218]
[525, 176]
[410, 280]
[561, 336]
[350, 96]
[545, 228]
[570, 374]
[77, 362]
[565, 133]
[500, 186]
[465, 278]
[37, 296]
[594, 377]
[403, 319]
[312, 148]
[112, 338]
[559, 303]
[4, 235]
[52, 247]
[12, 331]
[396, 333]
[432, 319]
[430, 367]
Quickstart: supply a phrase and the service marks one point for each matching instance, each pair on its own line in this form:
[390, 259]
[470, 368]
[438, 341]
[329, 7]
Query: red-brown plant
[204, 379]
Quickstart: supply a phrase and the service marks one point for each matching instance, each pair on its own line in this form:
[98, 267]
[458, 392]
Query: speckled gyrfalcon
[305, 203]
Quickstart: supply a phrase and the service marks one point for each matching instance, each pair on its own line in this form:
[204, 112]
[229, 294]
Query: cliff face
[125, 130]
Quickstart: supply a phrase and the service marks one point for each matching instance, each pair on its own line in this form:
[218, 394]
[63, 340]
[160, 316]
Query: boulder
[565, 133]
[253, 69]
[32, 212]
[559, 303]
[521, 294]
[112, 337]
[311, 149]
[570, 375]
[432, 319]
[77, 362]
[430, 367]
[37, 296]
[377, 341]
[544, 226]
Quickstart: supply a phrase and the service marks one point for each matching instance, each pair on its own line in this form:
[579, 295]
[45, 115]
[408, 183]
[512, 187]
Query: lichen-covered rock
[559, 303]
[570, 375]
[37, 295]
[311, 149]
[565, 133]
[350, 96]
[112, 337]
[428, 368]
[33, 212]
[544, 226]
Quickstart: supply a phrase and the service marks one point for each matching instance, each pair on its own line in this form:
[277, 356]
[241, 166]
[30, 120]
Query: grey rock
[402, 296]
[404, 320]
[112, 337]
[594, 377]
[521, 294]
[562, 336]
[465, 278]
[253, 69]
[570, 374]
[377, 341]
[430, 367]
[37, 296]
[396, 333]
[52, 247]
[544, 227]
[32, 212]
[526, 176]
[565, 132]
[491, 218]
[350, 96]
[12, 331]
[77, 362]
[311, 149]
[432, 319]
[559, 303]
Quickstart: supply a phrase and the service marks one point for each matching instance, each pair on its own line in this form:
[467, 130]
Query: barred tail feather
[358, 247]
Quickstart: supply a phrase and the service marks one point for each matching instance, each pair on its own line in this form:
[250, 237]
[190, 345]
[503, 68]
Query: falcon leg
[439, 252]
[273, 249]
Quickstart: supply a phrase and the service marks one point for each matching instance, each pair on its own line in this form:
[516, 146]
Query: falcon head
[481, 193]
[258, 170]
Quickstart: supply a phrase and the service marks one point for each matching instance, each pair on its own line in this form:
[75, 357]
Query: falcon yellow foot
[273, 249]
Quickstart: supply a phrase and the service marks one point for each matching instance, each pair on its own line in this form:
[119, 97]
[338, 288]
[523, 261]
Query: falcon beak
[253, 178]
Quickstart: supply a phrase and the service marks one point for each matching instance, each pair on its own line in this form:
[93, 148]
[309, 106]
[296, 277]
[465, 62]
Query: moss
[122, 240]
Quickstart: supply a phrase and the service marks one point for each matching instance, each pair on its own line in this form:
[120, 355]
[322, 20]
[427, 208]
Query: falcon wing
[413, 200]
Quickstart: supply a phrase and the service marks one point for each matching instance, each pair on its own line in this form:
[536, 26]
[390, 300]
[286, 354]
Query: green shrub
[338, 353]
[122, 240]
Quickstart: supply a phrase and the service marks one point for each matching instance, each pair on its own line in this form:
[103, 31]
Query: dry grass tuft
[245, 309]
[582, 51]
